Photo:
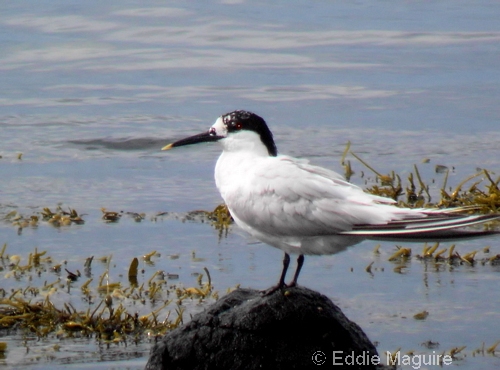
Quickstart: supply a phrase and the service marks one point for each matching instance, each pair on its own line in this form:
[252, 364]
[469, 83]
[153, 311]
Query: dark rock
[294, 328]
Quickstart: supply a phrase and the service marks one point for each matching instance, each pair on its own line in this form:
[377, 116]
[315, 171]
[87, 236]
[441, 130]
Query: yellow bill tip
[167, 147]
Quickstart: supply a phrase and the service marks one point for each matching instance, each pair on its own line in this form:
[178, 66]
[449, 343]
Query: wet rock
[294, 328]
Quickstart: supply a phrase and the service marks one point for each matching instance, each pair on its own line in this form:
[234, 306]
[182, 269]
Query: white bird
[304, 209]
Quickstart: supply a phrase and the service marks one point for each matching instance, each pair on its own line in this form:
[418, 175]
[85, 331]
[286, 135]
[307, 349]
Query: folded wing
[295, 198]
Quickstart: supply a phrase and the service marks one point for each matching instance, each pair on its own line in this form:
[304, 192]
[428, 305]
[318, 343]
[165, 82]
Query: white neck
[244, 141]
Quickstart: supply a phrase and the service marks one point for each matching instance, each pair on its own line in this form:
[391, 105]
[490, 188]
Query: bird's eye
[232, 122]
[212, 131]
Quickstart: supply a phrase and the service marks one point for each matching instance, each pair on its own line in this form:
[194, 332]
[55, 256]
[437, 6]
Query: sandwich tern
[305, 209]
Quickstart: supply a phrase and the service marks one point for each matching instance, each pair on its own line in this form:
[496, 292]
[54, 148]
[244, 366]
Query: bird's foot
[273, 289]
[277, 287]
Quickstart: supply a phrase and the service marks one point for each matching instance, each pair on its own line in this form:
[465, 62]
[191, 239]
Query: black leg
[281, 282]
[286, 263]
[300, 262]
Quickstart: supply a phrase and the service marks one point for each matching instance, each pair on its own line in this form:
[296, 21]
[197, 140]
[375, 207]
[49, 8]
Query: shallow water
[92, 91]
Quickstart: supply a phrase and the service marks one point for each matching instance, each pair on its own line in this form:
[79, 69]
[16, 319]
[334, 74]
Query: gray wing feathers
[298, 199]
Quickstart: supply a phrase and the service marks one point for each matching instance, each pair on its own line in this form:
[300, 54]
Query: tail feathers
[437, 226]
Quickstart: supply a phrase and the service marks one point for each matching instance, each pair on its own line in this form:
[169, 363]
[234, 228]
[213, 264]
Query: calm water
[91, 91]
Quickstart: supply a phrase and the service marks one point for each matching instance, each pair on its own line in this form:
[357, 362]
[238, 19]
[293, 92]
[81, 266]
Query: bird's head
[234, 129]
